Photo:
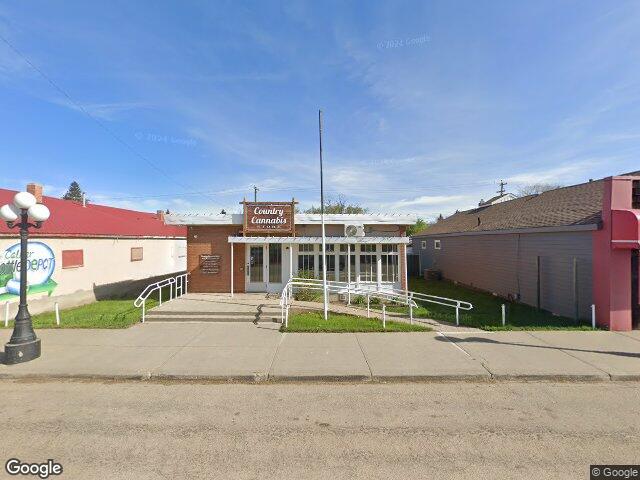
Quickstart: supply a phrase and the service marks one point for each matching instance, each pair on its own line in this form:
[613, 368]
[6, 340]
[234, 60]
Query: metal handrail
[178, 286]
[447, 302]
[406, 297]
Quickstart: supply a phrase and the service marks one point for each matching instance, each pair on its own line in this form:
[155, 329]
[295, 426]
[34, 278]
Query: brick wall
[213, 240]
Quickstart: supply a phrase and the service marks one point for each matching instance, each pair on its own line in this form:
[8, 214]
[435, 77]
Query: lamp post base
[21, 352]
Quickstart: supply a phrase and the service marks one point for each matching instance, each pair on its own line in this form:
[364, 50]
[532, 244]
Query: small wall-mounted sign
[269, 217]
[210, 264]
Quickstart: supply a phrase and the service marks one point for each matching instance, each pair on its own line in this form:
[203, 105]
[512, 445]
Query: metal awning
[625, 229]
[331, 240]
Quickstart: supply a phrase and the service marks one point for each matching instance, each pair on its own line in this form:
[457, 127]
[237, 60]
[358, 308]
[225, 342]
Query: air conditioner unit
[354, 230]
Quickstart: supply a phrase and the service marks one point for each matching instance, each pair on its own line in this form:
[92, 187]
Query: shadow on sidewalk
[548, 347]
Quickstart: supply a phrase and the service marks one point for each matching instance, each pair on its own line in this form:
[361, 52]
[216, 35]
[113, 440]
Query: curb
[263, 379]
[432, 378]
[535, 377]
[319, 378]
[630, 377]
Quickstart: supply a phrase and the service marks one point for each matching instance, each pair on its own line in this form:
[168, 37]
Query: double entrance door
[264, 267]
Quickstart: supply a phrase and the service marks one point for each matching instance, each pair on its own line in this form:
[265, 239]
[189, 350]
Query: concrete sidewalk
[244, 351]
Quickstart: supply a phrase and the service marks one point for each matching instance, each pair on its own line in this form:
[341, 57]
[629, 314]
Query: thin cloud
[427, 200]
[103, 111]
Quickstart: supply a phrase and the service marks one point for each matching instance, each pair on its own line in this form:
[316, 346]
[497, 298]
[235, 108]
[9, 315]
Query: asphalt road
[433, 430]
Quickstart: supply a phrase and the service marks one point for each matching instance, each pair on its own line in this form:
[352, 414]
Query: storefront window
[368, 263]
[331, 266]
[390, 271]
[331, 261]
[306, 264]
[342, 263]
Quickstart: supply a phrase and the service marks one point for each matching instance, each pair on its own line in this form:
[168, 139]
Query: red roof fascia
[71, 219]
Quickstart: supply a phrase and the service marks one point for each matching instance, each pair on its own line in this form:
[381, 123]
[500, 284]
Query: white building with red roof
[86, 252]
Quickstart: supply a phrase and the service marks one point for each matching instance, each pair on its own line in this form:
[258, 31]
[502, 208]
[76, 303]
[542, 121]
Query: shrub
[362, 300]
[307, 294]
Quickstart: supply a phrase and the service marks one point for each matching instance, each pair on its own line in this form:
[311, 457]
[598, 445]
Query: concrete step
[211, 317]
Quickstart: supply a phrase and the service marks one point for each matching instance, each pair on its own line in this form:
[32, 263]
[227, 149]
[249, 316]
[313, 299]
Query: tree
[537, 188]
[74, 193]
[338, 205]
[440, 218]
[420, 225]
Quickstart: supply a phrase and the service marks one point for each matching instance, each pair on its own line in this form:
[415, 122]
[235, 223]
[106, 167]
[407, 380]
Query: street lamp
[24, 345]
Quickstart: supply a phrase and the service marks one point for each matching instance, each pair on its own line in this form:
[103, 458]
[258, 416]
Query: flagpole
[324, 256]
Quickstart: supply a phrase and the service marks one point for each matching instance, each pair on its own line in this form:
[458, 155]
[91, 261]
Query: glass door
[274, 269]
[255, 267]
[264, 268]
[256, 263]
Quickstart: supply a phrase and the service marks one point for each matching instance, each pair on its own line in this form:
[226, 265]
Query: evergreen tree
[74, 193]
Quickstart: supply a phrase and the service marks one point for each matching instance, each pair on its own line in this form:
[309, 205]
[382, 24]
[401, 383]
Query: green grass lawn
[486, 313]
[315, 322]
[117, 313]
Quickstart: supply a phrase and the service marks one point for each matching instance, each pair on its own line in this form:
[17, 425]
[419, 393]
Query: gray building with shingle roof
[537, 249]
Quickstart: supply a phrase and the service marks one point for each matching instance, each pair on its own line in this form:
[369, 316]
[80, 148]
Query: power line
[314, 189]
[95, 119]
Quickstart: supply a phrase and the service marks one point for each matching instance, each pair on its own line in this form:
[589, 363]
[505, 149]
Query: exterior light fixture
[24, 345]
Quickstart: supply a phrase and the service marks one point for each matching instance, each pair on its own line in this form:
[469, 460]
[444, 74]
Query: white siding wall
[107, 269]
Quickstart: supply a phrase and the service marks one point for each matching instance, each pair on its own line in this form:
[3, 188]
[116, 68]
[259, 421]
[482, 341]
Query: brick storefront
[270, 244]
[213, 240]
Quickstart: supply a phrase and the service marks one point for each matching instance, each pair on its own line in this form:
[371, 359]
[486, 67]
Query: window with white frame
[390, 267]
[436, 244]
[343, 267]
[306, 260]
[423, 244]
[331, 261]
[368, 263]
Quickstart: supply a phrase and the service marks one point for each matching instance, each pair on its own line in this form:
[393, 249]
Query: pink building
[616, 287]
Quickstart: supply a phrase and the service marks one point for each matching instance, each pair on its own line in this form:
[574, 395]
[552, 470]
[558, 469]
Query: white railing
[177, 287]
[368, 291]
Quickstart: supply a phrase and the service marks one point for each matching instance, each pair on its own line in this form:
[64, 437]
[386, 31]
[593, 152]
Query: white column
[348, 274]
[406, 275]
[356, 254]
[379, 266]
[290, 261]
[231, 269]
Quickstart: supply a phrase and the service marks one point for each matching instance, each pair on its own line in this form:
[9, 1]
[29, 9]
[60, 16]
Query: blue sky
[186, 105]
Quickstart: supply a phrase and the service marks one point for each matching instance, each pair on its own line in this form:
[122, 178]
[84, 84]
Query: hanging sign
[269, 217]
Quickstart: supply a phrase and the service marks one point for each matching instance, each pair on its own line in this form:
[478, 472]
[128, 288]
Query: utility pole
[324, 256]
[502, 185]
[255, 193]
